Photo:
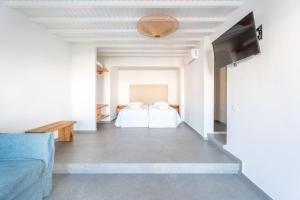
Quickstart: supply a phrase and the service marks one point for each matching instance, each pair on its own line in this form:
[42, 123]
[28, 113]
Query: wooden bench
[64, 129]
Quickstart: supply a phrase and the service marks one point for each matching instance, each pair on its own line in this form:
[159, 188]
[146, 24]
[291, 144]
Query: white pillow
[136, 103]
[161, 103]
[130, 106]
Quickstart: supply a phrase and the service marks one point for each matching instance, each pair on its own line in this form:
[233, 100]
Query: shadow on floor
[220, 126]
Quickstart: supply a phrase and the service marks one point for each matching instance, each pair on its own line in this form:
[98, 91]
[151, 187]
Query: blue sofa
[26, 163]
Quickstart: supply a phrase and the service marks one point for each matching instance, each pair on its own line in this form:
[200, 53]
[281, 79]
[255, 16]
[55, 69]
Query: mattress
[163, 118]
[129, 117]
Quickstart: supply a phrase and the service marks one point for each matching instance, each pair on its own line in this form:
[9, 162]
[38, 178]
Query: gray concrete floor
[220, 139]
[139, 145]
[153, 187]
[143, 145]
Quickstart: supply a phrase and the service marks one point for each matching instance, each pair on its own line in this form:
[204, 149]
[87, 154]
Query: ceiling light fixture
[157, 25]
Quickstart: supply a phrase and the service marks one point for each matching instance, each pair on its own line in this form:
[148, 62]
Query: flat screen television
[239, 42]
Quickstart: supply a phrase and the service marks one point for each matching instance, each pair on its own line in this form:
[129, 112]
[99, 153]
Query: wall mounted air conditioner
[193, 55]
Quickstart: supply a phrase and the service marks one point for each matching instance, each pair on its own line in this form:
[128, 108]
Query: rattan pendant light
[157, 25]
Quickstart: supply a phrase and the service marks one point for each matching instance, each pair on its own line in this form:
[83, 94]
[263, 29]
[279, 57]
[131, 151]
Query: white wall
[208, 68]
[35, 77]
[199, 84]
[84, 86]
[142, 61]
[100, 84]
[264, 133]
[194, 95]
[114, 92]
[148, 76]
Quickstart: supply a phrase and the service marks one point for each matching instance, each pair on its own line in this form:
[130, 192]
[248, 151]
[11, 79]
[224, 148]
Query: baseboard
[219, 132]
[263, 194]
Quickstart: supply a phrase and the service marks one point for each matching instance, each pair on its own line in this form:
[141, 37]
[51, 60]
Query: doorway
[220, 104]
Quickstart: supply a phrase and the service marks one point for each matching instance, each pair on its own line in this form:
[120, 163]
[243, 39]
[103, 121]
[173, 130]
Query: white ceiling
[111, 24]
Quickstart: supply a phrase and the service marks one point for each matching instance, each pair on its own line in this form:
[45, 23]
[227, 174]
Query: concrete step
[147, 168]
[151, 186]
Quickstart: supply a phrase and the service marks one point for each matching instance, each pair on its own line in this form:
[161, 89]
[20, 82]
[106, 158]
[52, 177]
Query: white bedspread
[163, 118]
[133, 117]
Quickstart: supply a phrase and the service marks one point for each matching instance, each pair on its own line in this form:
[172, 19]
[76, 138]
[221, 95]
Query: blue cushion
[30, 147]
[18, 175]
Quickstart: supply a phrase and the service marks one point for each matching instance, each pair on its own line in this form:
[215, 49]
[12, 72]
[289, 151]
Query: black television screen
[237, 43]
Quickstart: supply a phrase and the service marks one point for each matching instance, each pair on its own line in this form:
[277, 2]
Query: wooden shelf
[100, 106]
[100, 69]
[176, 107]
[120, 107]
[101, 117]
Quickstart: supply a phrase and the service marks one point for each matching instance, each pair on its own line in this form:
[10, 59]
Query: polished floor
[166, 164]
[153, 187]
[139, 145]
[219, 139]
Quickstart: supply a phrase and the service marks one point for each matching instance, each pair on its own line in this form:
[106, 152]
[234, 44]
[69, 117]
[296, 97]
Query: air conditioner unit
[193, 54]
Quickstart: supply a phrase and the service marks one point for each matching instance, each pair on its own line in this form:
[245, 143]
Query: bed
[164, 117]
[133, 117]
[148, 107]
